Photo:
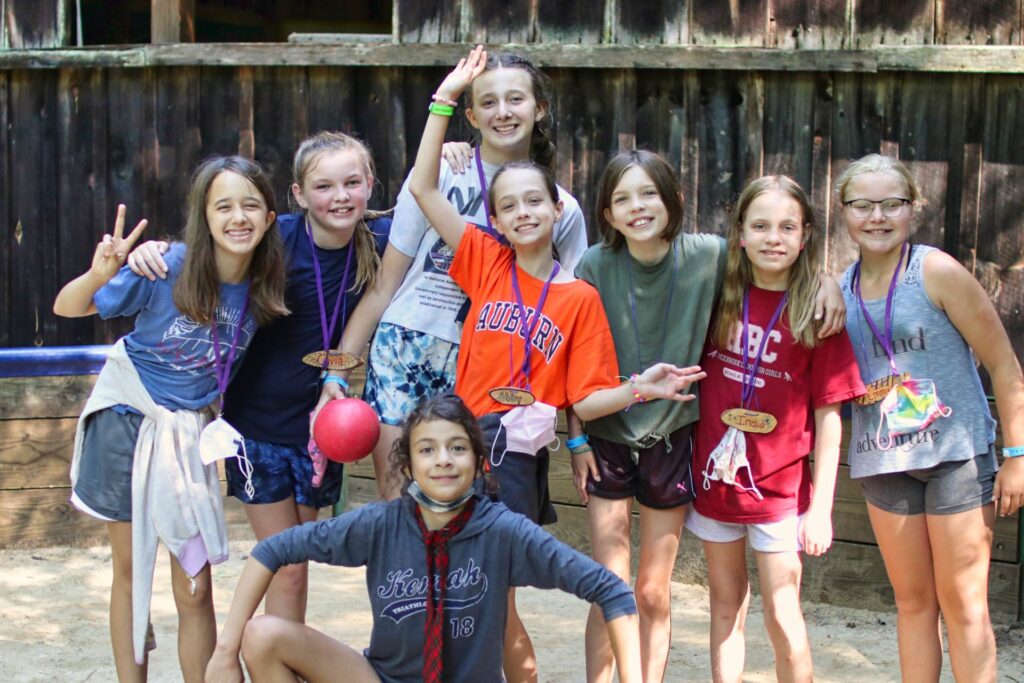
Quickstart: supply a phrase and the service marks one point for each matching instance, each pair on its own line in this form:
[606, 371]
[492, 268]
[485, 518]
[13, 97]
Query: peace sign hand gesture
[112, 251]
[463, 74]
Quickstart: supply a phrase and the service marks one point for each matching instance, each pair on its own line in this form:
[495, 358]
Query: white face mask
[527, 430]
[219, 441]
[728, 460]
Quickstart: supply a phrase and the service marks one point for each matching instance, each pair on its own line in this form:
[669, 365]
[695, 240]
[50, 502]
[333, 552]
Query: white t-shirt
[428, 300]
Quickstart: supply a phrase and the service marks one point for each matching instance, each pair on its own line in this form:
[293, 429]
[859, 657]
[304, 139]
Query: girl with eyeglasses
[922, 444]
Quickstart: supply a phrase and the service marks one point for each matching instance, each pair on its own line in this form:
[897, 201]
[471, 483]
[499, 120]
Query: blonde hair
[879, 163]
[310, 151]
[197, 290]
[803, 275]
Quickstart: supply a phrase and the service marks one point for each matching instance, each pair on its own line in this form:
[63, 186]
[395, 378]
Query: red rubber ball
[346, 430]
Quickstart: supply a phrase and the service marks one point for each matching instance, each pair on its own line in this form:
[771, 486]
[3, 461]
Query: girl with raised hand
[142, 461]
[922, 443]
[439, 562]
[535, 339]
[770, 400]
[420, 310]
[333, 245]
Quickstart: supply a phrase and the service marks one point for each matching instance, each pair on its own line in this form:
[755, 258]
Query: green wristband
[441, 109]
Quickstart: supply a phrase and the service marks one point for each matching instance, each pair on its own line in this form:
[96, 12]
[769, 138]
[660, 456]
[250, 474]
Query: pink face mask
[527, 430]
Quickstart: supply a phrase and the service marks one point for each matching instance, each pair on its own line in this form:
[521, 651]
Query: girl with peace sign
[147, 439]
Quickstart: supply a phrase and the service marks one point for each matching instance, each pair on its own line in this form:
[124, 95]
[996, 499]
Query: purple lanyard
[222, 371]
[632, 306]
[487, 202]
[750, 369]
[529, 326]
[328, 331]
[886, 340]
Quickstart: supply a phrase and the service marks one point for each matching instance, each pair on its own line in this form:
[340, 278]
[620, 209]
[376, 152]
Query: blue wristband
[329, 379]
[1013, 452]
[577, 442]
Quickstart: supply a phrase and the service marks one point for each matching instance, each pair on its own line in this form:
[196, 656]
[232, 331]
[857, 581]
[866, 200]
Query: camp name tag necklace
[521, 393]
[879, 388]
[330, 359]
[745, 418]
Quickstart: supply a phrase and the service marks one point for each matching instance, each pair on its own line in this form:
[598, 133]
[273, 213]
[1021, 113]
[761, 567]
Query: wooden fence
[37, 424]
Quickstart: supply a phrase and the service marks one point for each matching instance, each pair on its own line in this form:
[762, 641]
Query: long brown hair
[310, 151]
[665, 180]
[197, 289]
[542, 148]
[803, 275]
[446, 408]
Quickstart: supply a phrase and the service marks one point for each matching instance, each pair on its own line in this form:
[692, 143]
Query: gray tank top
[928, 346]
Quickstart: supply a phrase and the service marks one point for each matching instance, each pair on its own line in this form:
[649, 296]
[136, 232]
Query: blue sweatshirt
[497, 550]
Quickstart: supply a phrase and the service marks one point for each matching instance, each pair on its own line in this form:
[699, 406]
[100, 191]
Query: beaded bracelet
[334, 379]
[576, 442]
[441, 99]
[581, 450]
[637, 396]
[441, 109]
[1013, 451]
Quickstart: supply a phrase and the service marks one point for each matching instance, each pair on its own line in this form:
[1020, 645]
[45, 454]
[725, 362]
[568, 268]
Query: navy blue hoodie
[497, 550]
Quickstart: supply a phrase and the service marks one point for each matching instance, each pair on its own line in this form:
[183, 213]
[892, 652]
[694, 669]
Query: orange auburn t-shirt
[571, 354]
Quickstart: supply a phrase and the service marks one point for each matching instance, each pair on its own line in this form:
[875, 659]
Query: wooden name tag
[336, 360]
[512, 396]
[878, 389]
[750, 420]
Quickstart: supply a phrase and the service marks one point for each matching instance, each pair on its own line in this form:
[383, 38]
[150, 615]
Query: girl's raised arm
[75, 299]
[423, 179]
[252, 586]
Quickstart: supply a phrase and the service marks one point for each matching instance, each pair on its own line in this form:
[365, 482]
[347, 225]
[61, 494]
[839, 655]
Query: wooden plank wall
[78, 140]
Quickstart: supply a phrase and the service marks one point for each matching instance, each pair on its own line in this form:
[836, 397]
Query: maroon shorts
[658, 478]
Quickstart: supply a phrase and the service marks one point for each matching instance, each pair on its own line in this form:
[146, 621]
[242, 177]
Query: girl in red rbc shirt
[772, 394]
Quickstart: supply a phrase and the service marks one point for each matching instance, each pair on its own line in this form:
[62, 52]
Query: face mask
[219, 441]
[728, 460]
[907, 409]
[434, 505]
[528, 429]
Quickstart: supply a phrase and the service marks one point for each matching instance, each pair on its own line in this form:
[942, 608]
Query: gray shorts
[105, 467]
[945, 489]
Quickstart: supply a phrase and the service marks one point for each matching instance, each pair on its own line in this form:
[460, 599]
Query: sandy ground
[53, 624]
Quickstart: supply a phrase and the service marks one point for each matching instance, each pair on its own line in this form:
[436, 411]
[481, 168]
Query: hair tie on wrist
[444, 100]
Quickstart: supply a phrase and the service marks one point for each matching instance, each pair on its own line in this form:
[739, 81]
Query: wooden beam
[930, 58]
[173, 21]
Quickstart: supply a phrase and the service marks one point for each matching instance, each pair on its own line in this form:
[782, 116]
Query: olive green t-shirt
[676, 331]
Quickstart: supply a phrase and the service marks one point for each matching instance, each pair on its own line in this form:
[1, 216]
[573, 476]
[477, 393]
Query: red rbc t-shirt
[791, 382]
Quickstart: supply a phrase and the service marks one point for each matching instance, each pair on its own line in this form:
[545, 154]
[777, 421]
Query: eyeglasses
[891, 206]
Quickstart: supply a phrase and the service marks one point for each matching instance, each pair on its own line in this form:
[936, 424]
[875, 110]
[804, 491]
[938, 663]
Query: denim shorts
[944, 489]
[104, 482]
[407, 367]
[280, 472]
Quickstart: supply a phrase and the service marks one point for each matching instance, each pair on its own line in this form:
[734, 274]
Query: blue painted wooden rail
[52, 361]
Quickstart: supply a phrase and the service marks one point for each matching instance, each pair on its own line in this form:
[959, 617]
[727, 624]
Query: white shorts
[770, 537]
